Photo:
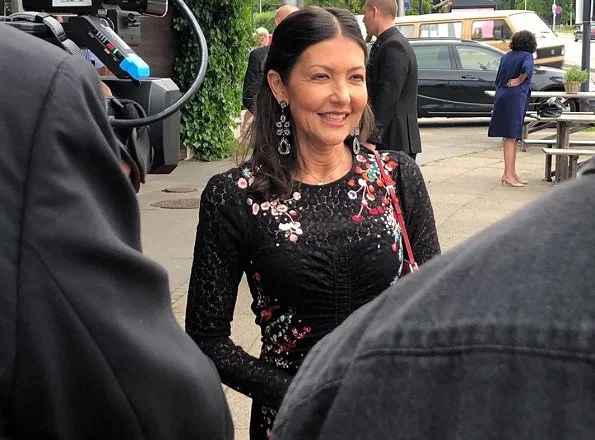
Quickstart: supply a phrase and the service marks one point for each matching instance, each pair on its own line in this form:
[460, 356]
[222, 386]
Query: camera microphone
[96, 34]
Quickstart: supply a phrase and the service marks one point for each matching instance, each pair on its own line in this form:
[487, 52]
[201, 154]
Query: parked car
[454, 74]
[493, 28]
[578, 33]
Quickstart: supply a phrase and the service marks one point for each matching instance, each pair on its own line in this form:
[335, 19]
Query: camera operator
[89, 346]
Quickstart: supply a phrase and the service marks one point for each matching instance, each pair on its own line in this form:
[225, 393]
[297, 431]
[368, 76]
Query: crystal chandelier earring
[355, 147]
[283, 131]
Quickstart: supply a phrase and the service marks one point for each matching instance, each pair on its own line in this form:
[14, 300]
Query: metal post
[400, 8]
[525, 5]
[420, 12]
[586, 63]
[554, 16]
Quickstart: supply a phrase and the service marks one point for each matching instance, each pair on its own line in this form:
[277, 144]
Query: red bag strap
[389, 184]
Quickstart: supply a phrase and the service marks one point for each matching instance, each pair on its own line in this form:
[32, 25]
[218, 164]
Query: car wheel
[572, 105]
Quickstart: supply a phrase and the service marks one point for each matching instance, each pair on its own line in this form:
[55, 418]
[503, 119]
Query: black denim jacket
[494, 340]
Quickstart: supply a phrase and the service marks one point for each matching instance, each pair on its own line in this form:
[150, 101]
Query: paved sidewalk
[465, 190]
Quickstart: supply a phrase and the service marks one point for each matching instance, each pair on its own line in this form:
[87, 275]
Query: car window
[478, 58]
[486, 30]
[432, 57]
[530, 21]
[406, 30]
[441, 30]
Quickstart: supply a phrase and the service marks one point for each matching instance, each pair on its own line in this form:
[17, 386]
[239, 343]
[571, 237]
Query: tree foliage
[265, 20]
[543, 8]
[426, 7]
[355, 6]
[207, 119]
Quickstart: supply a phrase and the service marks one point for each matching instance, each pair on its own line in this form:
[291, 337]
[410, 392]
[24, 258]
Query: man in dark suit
[89, 346]
[256, 60]
[392, 81]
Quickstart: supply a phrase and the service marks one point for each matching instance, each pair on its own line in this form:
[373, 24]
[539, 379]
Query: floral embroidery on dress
[263, 306]
[246, 180]
[285, 211]
[372, 203]
[281, 337]
[366, 186]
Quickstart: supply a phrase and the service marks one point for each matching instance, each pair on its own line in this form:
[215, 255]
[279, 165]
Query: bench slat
[567, 152]
[553, 142]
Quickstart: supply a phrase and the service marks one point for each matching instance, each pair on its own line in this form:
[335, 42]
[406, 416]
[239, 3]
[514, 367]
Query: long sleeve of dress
[417, 209]
[219, 261]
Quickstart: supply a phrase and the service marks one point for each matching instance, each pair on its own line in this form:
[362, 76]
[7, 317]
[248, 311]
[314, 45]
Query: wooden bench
[578, 143]
[568, 154]
[533, 124]
[550, 143]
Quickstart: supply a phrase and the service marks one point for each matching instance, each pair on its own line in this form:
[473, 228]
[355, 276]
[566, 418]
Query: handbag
[409, 264]
[552, 108]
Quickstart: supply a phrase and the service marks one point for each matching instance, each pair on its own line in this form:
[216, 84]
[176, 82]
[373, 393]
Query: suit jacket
[392, 88]
[89, 346]
[253, 77]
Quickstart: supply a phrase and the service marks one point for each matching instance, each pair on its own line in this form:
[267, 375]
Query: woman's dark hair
[523, 41]
[274, 174]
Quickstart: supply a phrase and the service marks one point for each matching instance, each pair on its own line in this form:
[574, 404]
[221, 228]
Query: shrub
[576, 75]
[208, 118]
[265, 20]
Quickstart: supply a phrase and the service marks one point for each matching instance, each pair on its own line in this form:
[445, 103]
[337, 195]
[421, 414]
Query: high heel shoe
[523, 181]
[504, 180]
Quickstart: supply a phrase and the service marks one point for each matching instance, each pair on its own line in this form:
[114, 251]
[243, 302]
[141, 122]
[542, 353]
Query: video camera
[105, 27]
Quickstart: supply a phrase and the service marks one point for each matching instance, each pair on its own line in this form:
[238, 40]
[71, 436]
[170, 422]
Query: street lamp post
[400, 8]
[586, 52]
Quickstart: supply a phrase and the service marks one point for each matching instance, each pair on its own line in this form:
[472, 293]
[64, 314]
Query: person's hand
[106, 90]
[125, 168]
[514, 82]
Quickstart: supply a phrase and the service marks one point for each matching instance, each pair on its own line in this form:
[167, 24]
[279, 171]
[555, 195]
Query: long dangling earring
[283, 131]
[355, 147]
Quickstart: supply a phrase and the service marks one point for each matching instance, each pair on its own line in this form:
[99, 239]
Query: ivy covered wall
[208, 118]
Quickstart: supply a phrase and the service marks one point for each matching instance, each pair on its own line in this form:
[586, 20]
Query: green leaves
[265, 20]
[209, 117]
[575, 74]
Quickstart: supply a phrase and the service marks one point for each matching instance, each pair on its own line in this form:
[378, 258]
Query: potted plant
[573, 78]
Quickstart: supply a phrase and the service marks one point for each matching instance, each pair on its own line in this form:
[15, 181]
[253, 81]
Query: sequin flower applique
[284, 211]
[363, 187]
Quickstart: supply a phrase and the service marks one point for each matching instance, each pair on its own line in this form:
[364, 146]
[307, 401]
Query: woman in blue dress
[513, 92]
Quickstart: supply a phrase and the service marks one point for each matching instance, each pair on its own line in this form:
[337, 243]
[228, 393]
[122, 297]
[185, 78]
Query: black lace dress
[310, 261]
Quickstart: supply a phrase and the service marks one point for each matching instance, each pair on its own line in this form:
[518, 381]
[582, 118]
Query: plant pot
[572, 87]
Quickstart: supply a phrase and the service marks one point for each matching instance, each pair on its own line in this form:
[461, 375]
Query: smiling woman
[307, 218]
[327, 92]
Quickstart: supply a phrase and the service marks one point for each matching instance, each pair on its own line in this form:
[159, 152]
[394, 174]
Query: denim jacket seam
[469, 348]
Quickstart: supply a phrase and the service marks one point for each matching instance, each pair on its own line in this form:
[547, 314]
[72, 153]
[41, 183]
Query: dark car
[578, 33]
[454, 74]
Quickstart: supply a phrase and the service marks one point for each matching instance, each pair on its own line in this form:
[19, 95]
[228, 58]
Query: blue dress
[511, 103]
